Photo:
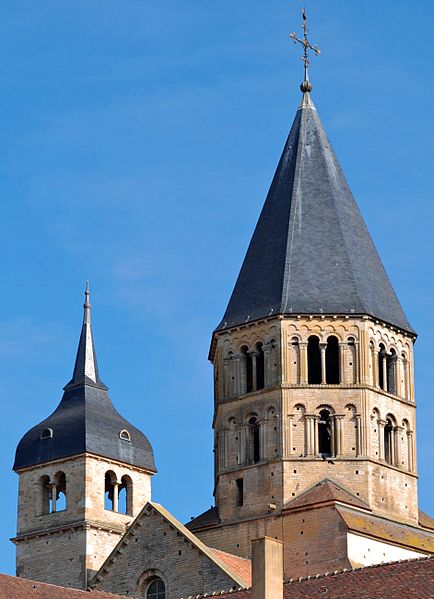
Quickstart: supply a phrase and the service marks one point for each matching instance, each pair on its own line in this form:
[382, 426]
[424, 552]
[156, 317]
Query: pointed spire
[311, 252]
[86, 367]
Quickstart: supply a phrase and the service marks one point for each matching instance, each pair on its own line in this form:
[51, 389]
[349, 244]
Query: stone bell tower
[84, 474]
[314, 356]
[313, 367]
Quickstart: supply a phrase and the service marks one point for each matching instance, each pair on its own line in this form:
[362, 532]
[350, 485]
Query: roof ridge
[358, 569]
[291, 225]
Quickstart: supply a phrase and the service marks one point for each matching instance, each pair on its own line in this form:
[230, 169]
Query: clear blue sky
[138, 140]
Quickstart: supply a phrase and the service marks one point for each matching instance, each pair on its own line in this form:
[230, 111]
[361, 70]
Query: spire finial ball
[306, 86]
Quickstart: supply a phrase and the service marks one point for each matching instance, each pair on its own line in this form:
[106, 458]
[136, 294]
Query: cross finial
[306, 86]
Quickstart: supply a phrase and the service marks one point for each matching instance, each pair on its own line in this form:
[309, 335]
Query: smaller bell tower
[84, 474]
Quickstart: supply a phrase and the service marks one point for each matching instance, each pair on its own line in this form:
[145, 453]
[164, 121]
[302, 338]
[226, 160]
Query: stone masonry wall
[154, 548]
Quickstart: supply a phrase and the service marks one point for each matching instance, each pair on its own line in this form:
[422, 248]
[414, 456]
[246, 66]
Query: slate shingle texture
[311, 251]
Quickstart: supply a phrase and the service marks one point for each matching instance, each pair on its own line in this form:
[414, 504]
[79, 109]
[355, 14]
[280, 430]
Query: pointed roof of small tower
[86, 366]
[85, 421]
[311, 252]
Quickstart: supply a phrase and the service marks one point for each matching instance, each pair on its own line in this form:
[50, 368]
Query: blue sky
[138, 141]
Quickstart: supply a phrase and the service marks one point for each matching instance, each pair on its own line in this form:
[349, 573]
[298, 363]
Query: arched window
[125, 505]
[324, 434]
[254, 452]
[332, 361]
[110, 492]
[391, 371]
[388, 441]
[156, 589]
[260, 375]
[45, 495]
[381, 357]
[60, 499]
[313, 360]
[248, 369]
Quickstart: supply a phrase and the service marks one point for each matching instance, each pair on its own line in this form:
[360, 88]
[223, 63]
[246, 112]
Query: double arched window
[323, 361]
[254, 368]
[388, 441]
[118, 496]
[387, 374]
[52, 493]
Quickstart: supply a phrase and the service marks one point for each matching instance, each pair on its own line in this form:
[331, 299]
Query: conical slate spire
[86, 366]
[85, 421]
[311, 252]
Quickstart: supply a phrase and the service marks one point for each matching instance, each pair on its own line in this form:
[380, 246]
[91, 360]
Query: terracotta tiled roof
[425, 520]
[324, 491]
[208, 518]
[401, 534]
[20, 588]
[240, 565]
[412, 579]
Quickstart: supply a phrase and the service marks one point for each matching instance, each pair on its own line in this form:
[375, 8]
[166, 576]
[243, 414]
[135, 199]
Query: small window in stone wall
[125, 435]
[156, 589]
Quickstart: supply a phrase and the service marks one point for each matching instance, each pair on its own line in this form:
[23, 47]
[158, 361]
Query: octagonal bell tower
[84, 474]
[313, 359]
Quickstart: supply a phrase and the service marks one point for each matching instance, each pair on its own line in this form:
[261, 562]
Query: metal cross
[306, 46]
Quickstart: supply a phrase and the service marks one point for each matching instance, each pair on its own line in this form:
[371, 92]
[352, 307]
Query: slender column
[263, 439]
[406, 379]
[384, 367]
[410, 451]
[53, 497]
[242, 445]
[288, 435]
[315, 434]
[267, 366]
[399, 375]
[392, 447]
[395, 378]
[221, 439]
[115, 497]
[397, 437]
[237, 374]
[254, 355]
[323, 347]
[357, 362]
[342, 373]
[358, 434]
[303, 362]
[380, 425]
[308, 435]
[332, 435]
[374, 358]
[226, 448]
[226, 384]
[339, 434]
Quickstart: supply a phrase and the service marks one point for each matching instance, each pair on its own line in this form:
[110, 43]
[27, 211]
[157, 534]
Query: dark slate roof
[311, 251]
[209, 518]
[85, 420]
